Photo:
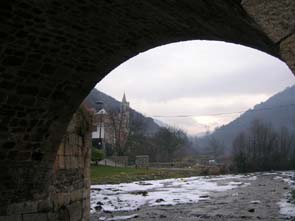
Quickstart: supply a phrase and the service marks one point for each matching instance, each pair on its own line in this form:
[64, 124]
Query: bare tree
[240, 147]
[263, 148]
[215, 147]
[119, 132]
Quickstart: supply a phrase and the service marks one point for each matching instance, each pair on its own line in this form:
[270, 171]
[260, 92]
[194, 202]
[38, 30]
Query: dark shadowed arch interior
[54, 52]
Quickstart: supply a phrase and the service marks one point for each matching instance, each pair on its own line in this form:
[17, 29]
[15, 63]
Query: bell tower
[125, 112]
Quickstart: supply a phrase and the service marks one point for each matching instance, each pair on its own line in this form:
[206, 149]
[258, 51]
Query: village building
[111, 128]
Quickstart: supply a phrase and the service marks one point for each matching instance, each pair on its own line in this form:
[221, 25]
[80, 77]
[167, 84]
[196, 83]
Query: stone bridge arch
[52, 53]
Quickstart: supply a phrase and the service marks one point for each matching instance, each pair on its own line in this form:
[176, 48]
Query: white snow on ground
[269, 173]
[277, 178]
[255, 202]
[131, 196]
[290, 177]
[119, 218]
[286, 207]
[252, 178]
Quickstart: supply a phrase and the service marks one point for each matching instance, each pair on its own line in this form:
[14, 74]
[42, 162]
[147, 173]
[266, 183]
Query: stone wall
[142, 161]
[277, 20]
[120, 160]
[69, 189]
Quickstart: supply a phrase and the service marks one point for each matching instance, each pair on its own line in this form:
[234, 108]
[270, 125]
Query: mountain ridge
[278, 111]
[148, 126]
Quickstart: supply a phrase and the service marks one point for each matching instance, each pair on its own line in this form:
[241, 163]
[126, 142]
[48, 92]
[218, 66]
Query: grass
[107, 174]
[113, 175]
[98, 172]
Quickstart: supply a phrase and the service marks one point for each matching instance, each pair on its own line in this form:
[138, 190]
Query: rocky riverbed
[257, 196]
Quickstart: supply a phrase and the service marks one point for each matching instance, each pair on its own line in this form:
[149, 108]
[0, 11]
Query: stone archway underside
[52, 53]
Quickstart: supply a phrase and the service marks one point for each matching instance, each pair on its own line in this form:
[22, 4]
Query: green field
[112, 175]
[107, 174]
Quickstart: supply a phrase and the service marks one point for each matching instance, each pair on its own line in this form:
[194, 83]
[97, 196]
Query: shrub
[96, 154]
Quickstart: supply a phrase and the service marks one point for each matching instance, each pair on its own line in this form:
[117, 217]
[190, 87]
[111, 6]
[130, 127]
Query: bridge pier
[68, 193]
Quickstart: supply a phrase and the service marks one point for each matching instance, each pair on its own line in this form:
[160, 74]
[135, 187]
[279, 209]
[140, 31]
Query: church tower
[124, 104]
[125, 112]
[123, 125]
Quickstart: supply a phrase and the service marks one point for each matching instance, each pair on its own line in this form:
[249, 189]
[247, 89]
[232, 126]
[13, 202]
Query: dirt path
[258, 200]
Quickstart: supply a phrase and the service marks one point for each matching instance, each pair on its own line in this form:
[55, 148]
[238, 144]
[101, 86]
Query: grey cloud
[198, 70]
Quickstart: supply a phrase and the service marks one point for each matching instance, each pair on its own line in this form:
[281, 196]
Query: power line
[225, 113]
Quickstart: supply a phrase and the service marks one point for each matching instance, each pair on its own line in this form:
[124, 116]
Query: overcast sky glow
[197, 78]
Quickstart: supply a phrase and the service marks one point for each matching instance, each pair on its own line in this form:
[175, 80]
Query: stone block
[80, 141]
[45, 205]
[60, 161]
[86, 208]
[13, 61]
[11, 218]
[52, 216]
[77, 195]
[73, 140]
[68, 164]
[67, 198]
[35, 217]
[74, 162]
[80, 150]
[63, 199]
[61, 148]
[68, 147]
[60, 200]
[87, 182]
[71, 126]
[81, 161]
[142, 161]
[54, 200]
[75, 210]
[86, 193]
[287, 49]
[25, 207]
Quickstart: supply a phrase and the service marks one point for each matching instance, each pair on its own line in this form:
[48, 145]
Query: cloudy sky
[199, 79]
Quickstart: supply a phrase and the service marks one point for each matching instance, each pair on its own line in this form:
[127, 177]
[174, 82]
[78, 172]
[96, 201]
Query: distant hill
[148, 126]
[161, 123]
[278, 110]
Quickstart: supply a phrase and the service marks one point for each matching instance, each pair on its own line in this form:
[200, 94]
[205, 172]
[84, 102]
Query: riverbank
[116, 175]
[256, 196]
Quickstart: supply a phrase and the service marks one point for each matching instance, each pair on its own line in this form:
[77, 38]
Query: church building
[111, 129]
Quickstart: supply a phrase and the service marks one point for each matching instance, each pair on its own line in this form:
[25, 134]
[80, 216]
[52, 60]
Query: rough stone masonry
[69, 185]
[53, 52]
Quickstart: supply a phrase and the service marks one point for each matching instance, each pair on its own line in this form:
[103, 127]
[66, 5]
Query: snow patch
[252, 178]
[132, 196]
[278, 178]
[287, 209]
[118, 218]
[255, 202]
